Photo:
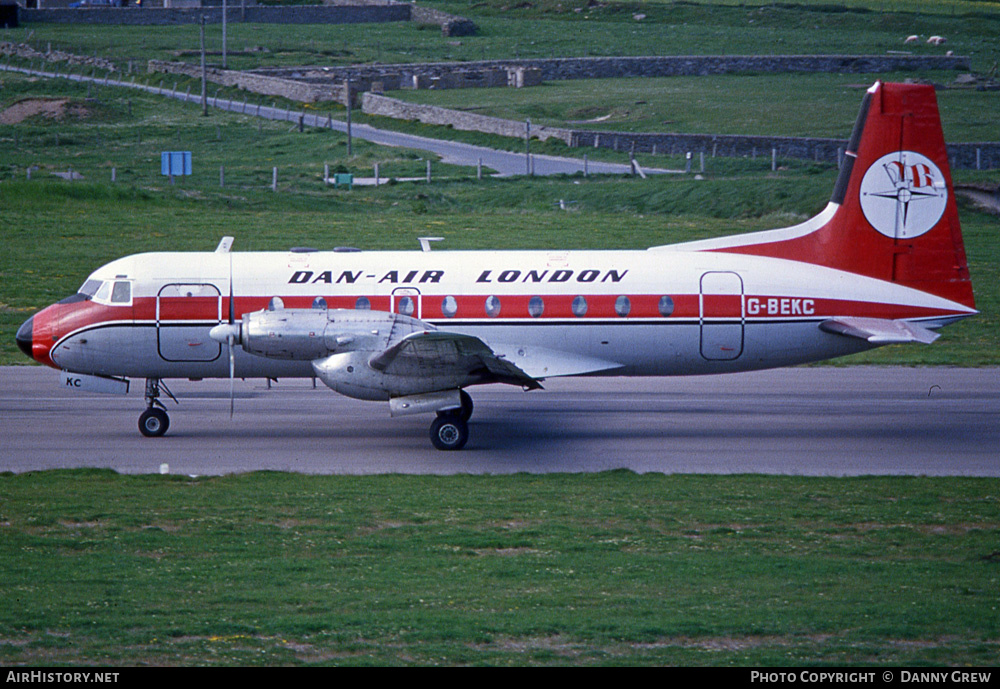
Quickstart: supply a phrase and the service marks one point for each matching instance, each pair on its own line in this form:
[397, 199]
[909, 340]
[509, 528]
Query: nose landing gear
[154, 422]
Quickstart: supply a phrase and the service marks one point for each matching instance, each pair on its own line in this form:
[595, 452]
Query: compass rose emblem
[903, 194]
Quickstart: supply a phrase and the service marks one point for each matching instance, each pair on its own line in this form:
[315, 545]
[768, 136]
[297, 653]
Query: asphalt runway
[804, 421]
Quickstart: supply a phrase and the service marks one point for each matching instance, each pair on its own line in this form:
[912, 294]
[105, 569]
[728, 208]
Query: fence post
[376, 174]
[274, 179]
[428, 171]
[527, 146]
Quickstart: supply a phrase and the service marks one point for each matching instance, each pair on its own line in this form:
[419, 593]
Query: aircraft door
[406, 301]
[722, 316]
[185, 312]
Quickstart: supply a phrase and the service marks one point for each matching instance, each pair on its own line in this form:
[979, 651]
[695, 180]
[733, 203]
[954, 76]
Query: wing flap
[879, 330]
[436, 352]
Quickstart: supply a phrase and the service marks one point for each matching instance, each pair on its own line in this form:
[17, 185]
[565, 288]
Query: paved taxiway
[807, 421]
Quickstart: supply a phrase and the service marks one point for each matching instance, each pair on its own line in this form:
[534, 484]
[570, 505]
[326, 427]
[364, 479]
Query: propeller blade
[232, 376]
[231, 341]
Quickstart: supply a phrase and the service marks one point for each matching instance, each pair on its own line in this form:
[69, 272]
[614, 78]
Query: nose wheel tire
[449, 432]
[153, 422]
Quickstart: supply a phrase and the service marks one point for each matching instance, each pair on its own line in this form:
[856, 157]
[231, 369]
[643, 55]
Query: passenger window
[535, 307]
[579, 306]
[623, 306]
[666, 306]
[449, 306]
[362, 304]
[406, 306]
[319, 303]
[492, 306]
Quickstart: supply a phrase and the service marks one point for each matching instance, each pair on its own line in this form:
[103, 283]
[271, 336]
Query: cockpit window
[89, 288]
[116, 292]
[103, 292]
[121, 293]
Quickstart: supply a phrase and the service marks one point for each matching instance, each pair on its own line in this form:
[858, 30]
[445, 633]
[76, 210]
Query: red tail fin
[893, 214]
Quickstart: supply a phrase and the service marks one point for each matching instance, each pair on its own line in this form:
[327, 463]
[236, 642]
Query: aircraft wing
[879, 330]
[443, 353]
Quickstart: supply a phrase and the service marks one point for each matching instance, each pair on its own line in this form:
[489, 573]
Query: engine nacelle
[350, 374]
[309, 334]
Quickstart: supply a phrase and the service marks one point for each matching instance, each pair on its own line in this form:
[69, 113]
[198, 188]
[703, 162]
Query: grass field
[614, 568]
[558, 30]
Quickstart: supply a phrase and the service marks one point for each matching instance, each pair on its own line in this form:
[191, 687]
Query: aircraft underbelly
[634, 349]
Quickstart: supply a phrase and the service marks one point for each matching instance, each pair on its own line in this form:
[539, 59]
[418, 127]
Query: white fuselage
[654, 312]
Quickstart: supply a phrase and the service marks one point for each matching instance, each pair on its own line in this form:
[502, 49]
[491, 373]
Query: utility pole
[224, 66]
[347, 90]
[204, 87]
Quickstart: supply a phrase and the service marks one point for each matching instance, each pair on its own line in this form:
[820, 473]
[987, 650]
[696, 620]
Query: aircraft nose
[24, 336]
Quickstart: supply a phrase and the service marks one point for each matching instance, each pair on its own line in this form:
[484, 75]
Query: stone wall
[382, 78]
[25, 51]
[374, 104]
[298, 14]
[256, 83]
[461, 74]
[560, 69]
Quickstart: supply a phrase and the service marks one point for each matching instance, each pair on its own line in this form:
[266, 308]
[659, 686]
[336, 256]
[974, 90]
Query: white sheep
[937, 40]
[911, 39]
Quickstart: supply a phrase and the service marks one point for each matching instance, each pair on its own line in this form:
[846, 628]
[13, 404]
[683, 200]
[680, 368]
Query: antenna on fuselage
[225, 244]
[425, 242]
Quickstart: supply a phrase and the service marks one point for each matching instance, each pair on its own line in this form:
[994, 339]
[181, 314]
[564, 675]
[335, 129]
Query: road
[804, 421]
[504, 163]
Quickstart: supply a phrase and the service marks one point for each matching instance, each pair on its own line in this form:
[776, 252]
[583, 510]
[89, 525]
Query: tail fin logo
[903, 194]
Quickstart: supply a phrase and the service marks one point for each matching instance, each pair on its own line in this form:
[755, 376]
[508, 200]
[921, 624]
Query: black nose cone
[24, 335]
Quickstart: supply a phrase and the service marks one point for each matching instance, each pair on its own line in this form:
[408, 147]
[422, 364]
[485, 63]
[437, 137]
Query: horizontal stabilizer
[879, 330]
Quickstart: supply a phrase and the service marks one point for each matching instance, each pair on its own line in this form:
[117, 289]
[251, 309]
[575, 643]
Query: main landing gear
[450, 430]
[154, 422]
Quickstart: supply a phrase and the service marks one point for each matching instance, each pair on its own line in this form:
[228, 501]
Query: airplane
[883, 263]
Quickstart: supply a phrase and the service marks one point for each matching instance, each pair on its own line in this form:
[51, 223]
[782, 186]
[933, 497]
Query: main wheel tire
[449, 432]
[153, 422]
